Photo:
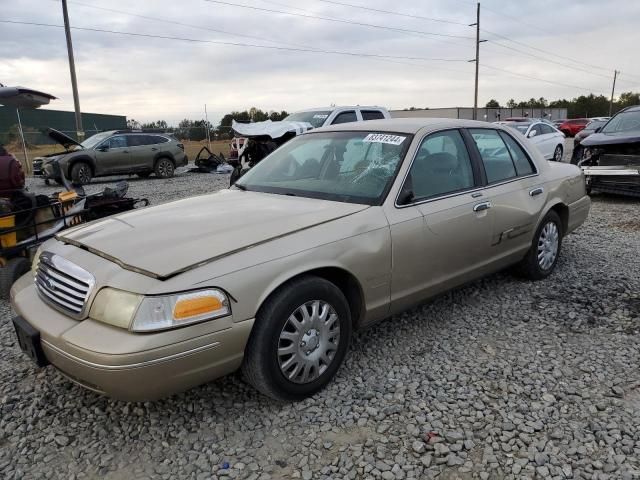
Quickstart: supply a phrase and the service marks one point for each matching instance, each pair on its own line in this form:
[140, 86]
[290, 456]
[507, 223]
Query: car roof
[339, 107]
[633, 108]
[406, 125]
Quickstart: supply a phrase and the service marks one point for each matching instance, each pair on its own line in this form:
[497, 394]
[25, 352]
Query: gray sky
[151, 78]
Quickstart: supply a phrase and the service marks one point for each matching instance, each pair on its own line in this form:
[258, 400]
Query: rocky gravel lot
[501, 379]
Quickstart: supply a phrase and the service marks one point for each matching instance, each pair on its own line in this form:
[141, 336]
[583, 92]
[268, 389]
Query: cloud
[152, 78]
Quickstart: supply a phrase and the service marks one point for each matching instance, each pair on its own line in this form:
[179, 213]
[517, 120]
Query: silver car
[334, 231]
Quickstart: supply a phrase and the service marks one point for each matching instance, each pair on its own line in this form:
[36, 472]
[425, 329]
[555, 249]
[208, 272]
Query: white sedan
[547, 139]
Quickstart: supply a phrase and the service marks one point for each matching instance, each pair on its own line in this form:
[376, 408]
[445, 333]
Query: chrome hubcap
[308, 341]
[548, 245]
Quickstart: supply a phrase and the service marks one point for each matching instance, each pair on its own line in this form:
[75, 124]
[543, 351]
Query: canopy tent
[21, 97]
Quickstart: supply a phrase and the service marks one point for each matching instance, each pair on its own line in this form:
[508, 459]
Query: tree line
[196, 130]
[583, 106]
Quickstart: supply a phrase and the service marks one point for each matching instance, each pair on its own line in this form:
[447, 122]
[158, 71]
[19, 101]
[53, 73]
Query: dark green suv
[115, 152]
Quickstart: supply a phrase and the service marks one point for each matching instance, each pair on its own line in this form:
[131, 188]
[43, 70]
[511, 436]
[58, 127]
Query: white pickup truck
[268, 135]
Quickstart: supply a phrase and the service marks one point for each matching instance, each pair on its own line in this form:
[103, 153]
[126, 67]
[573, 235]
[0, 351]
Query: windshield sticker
[384, 138]
[320, 116]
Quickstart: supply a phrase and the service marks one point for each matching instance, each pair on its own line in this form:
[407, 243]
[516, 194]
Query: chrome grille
[62, 284]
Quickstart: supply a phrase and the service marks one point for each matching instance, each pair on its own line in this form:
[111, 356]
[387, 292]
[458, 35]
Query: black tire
[557, 153]
[144, 174]
[12, 271]
[164, 168]
[261, 367]
[530, 267]
[81, 173]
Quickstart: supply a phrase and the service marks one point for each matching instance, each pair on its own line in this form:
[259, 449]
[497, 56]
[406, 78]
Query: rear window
[520, 158]
[372, 115]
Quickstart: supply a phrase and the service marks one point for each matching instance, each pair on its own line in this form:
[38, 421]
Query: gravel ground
[501, 379]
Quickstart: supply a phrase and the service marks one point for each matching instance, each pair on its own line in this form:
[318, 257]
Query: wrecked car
[262, 138]
[610, 157]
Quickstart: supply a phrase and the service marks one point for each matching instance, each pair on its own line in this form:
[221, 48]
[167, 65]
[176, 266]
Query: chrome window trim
[470, 190]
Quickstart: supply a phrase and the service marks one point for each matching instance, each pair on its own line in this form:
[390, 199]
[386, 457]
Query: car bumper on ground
[126, 372]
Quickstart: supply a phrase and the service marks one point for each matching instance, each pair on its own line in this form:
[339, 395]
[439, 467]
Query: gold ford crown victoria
[335, 230]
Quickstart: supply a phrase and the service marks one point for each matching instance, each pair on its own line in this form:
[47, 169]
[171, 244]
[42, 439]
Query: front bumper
[129, 366]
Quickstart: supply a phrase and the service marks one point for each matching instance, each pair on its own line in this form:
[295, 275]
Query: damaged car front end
[610, 157]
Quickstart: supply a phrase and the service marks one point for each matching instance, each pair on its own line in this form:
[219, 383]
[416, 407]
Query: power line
[389, 12]
[502, 45]
[173, 22]
[339, 20]
[235, 44]
[529, 77]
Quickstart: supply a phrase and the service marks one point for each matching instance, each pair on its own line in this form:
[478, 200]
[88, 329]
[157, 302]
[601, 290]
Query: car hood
[169, 239]
[611, 138]
[64, 140]
[270, 129]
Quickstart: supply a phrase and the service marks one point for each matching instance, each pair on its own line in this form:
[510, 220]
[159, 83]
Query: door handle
[536, 191]
[154, 149]
[479, 207]
[125, 151]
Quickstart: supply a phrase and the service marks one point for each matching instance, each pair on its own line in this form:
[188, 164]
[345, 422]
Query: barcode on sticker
[384, 138]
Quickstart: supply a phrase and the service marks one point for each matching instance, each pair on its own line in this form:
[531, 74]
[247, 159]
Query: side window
[136, 140]
[520, 159]
[345, 117]
[441, 166]
[371, 115]
[545, 129]
[118, 142]
[154, 139]
[495, 156]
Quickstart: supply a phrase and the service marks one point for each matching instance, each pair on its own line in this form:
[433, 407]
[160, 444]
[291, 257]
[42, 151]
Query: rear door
[441, 233]
[142, 149]
[513, 184]
[112, 155]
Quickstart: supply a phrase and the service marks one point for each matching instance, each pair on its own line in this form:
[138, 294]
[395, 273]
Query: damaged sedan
[336, 230]
[610, 157]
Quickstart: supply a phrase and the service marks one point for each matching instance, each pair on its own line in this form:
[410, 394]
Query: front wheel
[80, 174]
[557, 154]
[299, 339]
[10, 272]
[543, 254]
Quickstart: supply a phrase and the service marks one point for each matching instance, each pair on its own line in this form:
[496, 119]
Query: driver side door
[112, 155]
[441, 235]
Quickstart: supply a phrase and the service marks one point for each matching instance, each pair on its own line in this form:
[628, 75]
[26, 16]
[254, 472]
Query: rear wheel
[299, 339]
[12, 271]
[543, 255]
[557, 153]
[164, 168]
[81, 173]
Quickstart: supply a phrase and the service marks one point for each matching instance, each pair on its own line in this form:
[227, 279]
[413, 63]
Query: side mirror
[103, 148]
[406, 197]
[532, 133]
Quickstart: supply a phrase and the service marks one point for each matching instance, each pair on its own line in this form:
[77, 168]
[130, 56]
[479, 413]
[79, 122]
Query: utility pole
[206, 119]
[477, 61]
[72, 68]
[613, 89]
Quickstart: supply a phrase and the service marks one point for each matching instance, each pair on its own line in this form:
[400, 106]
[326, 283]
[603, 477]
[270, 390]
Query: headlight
[141, 313]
